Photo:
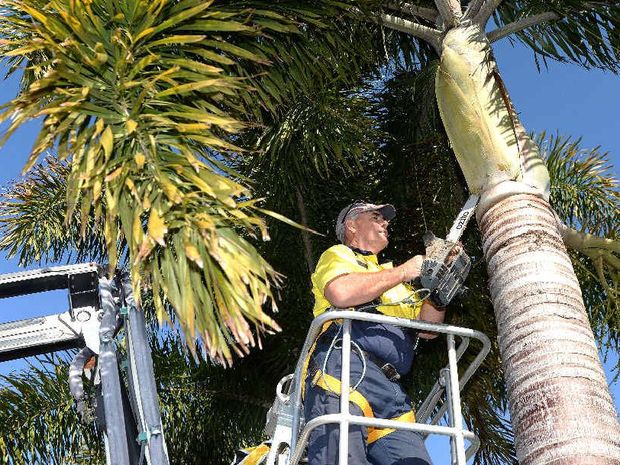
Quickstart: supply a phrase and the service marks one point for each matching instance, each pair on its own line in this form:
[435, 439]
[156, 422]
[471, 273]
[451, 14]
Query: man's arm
[431, 314]
[359, 288]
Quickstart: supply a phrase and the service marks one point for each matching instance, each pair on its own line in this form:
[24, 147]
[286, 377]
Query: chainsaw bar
[456, 231]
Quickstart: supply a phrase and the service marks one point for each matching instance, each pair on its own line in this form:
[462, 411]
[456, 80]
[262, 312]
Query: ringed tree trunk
[560, 405]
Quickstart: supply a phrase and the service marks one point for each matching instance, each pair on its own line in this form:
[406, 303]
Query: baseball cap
[387, 210]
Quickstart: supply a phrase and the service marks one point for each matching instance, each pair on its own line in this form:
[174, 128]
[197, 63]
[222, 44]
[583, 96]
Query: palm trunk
[560, 406]
[561, 409]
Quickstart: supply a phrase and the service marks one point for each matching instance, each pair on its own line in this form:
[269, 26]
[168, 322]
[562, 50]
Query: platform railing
[429, 415]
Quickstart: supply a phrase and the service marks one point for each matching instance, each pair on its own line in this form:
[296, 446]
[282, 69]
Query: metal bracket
[78, 325]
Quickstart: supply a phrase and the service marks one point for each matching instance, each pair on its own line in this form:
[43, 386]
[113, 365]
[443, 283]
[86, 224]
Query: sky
[563, 99]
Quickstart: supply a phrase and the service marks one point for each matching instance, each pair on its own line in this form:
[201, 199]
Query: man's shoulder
[338, 251]
[340, 248]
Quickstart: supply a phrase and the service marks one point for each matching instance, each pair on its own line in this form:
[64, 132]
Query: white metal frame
[428, 415]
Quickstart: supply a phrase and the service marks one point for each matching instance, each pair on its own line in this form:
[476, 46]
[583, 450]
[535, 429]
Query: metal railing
[428, 415]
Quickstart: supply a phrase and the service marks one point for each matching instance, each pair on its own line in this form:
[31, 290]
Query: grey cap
[352, 210]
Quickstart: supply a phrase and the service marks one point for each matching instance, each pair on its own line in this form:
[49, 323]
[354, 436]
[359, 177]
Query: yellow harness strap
[374, 434]
[304, 371]
[332, 384]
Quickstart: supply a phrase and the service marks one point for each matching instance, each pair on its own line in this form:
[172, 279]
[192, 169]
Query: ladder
[98, 308]
[285, 423]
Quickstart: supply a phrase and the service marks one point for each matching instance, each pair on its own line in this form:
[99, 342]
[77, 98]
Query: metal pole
[110, 381]
[345, 380]
[143, 376]
[444, 379]
[455, 399]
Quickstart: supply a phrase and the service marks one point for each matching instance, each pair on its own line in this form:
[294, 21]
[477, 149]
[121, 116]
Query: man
[349, 275]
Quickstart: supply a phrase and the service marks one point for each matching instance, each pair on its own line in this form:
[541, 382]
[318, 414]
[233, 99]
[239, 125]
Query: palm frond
[584, 191]
[335, 55]
[587, 33]
[142, 99]
[39, 424]
[33, 225]
[322, 136]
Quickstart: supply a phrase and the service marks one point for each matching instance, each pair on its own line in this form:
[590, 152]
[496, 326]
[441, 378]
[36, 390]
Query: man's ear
[350, 226]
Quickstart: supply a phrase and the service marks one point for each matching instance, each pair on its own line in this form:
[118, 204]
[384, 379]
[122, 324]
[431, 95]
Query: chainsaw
[447, 265]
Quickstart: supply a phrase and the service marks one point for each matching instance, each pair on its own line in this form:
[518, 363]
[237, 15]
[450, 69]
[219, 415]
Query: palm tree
[144, 99]
[560, 406]
[209, 411]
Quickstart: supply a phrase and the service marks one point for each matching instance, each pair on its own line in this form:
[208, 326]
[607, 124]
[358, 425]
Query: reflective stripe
[255, 455]
[374, 434]
[331, 384]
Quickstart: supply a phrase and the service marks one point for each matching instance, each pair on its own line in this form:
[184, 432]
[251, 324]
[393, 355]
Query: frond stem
[450, 11]
[305, 236]
[486, 10]
[429, 14]
[430, 35]
[473, 8]
[581, 241]
[521, 24]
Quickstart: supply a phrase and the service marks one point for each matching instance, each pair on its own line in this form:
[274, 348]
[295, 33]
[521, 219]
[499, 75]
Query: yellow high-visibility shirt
[340, 260]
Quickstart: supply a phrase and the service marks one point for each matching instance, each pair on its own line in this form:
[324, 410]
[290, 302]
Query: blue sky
[564, 99]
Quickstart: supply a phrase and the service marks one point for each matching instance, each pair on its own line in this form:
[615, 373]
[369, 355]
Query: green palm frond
[413, 94]
[587, 33]
[584, 191]
[32, 220]
[585, 195]
[39, 424]
[324, 57]
[321, 135]
[143, 100]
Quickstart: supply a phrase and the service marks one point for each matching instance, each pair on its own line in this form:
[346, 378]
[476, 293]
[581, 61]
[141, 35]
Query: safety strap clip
[145, 436]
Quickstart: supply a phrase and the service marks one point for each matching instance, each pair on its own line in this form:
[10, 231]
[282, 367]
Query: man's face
[370, 231]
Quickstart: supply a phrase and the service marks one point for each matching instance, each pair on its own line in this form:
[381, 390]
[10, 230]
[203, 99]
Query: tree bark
[305, 236]
[560, 406]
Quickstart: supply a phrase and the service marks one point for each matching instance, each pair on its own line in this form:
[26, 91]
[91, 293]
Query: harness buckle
[390, 372]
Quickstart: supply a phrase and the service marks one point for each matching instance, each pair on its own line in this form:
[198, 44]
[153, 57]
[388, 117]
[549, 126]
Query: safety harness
[332, 384]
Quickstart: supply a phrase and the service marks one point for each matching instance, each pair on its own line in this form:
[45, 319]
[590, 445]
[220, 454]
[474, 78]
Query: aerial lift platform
[289, 434]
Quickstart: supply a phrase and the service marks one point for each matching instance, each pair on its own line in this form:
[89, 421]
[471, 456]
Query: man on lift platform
[350, 275]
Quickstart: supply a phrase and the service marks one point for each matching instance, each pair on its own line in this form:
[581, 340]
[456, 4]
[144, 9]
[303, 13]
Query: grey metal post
[110, 381]
[143, 377]
[345, 380]
[444, 378]
[455, 400]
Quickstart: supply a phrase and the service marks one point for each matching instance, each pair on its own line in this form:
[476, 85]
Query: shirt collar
[370, 256]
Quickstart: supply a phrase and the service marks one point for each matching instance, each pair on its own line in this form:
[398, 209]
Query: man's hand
[411, 268]
[455, 251]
